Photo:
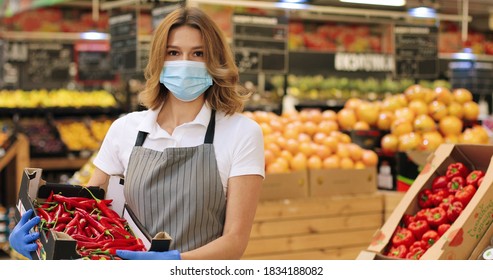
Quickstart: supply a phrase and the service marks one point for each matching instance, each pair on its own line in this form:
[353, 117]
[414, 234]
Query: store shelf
[58, 163]
[14, 161]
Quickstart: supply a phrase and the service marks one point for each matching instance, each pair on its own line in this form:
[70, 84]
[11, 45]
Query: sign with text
[260, 43]
[416, 51]
[93, 62]
[123, 42]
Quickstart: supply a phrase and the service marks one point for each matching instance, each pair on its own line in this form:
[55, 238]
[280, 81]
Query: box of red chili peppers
[78, 222]
[446, 211]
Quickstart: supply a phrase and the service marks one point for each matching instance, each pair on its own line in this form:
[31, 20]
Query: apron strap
[141, 137]
[209, 135]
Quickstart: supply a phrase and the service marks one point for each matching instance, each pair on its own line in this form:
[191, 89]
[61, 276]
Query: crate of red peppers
[445, 212]
[78, 222]
[439, 207]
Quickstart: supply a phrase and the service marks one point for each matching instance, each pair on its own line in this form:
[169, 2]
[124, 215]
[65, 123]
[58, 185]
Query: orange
[369, 158]
[306, 148]
[332, 161]
[347, 163]
[299, 162]
[329, 115]
[319, 137]
[314, 162]
[323, 151]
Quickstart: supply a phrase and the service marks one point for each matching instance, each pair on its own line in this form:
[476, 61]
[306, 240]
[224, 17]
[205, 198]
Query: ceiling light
[294, 1]
[377, 2]
[422, 12]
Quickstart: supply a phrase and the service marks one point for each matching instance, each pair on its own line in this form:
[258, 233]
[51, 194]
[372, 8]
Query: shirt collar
[149, 123]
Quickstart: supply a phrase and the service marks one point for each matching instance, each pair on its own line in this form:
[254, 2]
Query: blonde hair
[226, 94]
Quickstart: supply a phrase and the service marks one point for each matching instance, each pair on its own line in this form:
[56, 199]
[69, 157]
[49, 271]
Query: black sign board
[123, 32]
[474, 75]
[416, 52]
[93, 62]
[46, 65]
[260, 43]
[160, 11]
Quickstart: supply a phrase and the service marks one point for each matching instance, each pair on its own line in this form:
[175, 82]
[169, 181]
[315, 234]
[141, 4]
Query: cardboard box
[485, 242]
[285, 185]
[464, 234]
[53, 245]
[330, 182]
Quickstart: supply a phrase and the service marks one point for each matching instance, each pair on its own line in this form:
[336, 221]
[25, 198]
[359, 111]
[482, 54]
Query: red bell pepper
[398, 252]
[418, 244]
[402, 236]
[457, 169]
[430, 237]
[439, 183]
[447, 201]
[465, 194]
[415, 253]
[480, 181]
[437, 217]
[438, 196]
[454, 210]
[423, 214]
[473, 178]
[407, 219]
[424, 198]
[456, 183]
[418, 228]
[442, 229]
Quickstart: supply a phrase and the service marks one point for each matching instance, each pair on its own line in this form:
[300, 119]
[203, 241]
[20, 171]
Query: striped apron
[178, 191]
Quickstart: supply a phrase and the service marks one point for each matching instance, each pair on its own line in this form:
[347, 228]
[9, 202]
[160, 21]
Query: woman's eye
[172, 53]
[199, 54]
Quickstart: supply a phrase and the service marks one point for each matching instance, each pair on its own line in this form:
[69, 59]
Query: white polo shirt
[238, 142]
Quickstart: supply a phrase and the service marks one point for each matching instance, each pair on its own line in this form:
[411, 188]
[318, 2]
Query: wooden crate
[391, 200]
[336, 227]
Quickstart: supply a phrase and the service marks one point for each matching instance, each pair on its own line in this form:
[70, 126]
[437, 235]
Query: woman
[193, 165]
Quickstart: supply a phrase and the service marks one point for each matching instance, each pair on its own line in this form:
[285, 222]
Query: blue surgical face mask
[186, 79]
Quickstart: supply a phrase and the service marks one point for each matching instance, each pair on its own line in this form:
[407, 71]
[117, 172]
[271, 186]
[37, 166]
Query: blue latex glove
[20, 239]
[151, 255]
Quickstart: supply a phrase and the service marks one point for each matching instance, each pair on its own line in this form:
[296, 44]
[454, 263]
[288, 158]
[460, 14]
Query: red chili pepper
[473, 178]
[69, 201]
[454, 210]
[75, 220]
[430, 237]
[87, 245]
[81, 237]
[120, 243]
[456, 183]
[43, 214]
[110, 213]
[457, 169]
[465, 194]
[418, 228]
[437, 217]
[439, 183]
[402, 236]
[60, 227]
[63, 219]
